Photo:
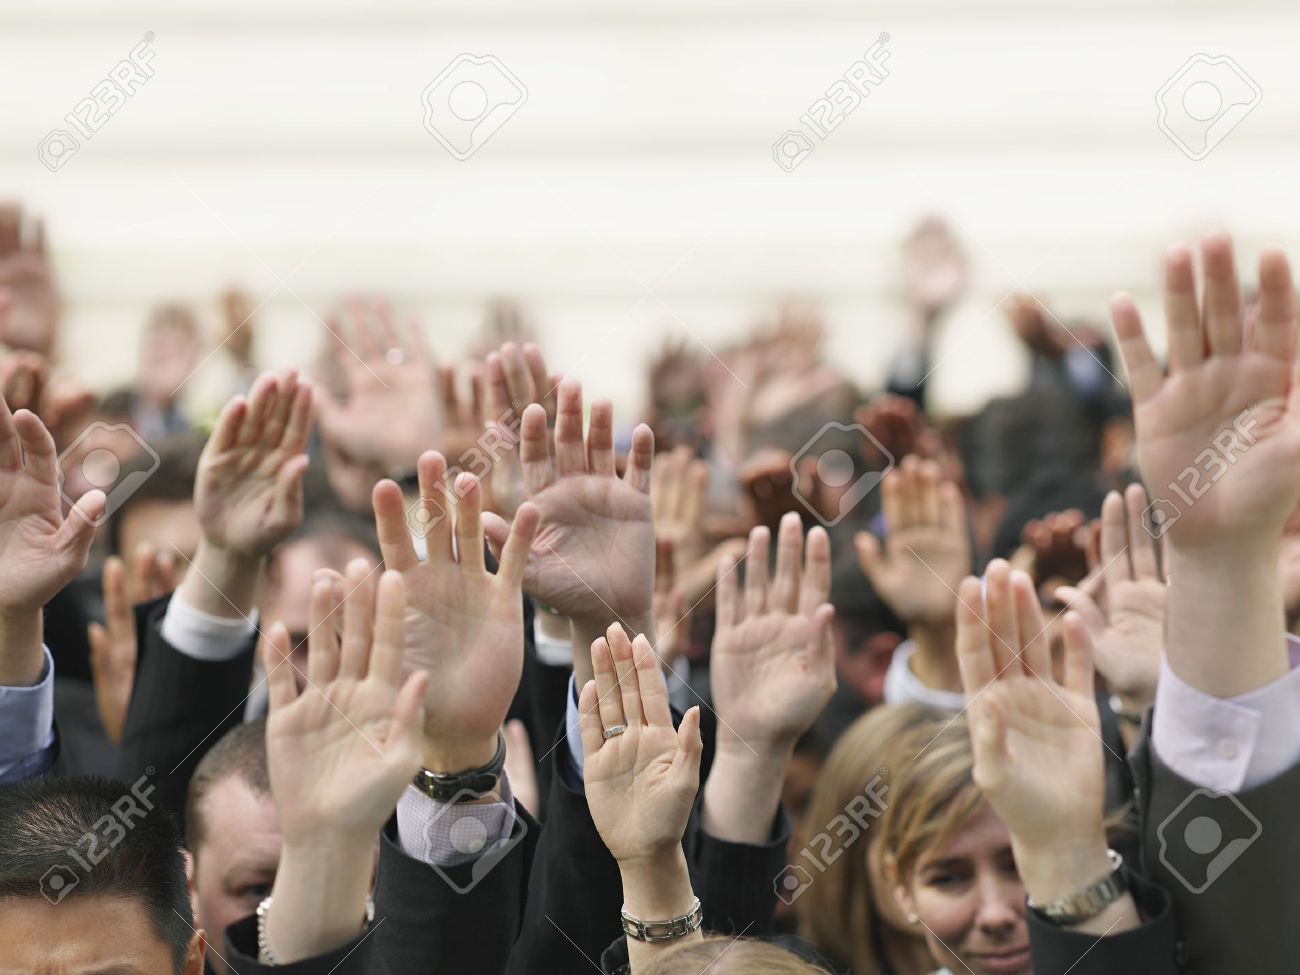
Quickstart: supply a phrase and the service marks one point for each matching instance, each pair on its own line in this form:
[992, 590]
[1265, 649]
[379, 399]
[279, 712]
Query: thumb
[869, 557]
[690, 746]
[496, 530]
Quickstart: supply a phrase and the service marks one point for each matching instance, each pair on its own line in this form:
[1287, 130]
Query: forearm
[935, 660]
[1052, 872]
[221, 583]
[743, 792]
[1226, 624]
[319, 897]
[21, 659]
[656, 889]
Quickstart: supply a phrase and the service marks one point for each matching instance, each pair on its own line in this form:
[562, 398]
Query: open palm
[248, 490]
[641, 782]
[1036, 739]
[41, 551]
[341, 752]
[593, 557]
[772, 667]
[463, 625]
[1219, 438]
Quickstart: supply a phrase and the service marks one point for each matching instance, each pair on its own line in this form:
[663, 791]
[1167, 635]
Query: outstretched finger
[1144, 375]
[358, 617]
[1182, 311]
[469, 522]
[653, 689]
[1222, 311]
[1141, 546]
[789, 549]
[974, 642]
[40, 457]
[570, 452]
[625, 669]
[1275, 325]
[323, 637]
[392, 527]
[600, 439]
[589, 721]
[756, 571]
[608, 698]
[282, 688]
[815, 586]
[389, 629]
[535, 451]
[640, 459]
[1078, 656]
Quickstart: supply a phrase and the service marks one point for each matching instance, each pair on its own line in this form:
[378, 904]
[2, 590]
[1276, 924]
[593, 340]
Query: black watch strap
[464, 786]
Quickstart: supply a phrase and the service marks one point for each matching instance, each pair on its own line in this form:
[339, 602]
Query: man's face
[86, 935]
[234, 866]
[169, 526]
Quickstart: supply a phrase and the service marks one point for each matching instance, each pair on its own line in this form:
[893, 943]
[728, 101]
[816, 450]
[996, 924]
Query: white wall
[634, 193]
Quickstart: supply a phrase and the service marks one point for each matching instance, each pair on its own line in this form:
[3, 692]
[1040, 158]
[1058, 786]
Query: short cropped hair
[44, 826]
[241, 751]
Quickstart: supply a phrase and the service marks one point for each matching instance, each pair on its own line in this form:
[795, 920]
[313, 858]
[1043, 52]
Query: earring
[913, 918]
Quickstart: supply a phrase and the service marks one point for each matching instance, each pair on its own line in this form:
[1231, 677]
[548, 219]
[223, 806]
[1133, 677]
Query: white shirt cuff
[1229, 744]
[27, 726]
[902, 686]
[203, 636]
[573, 729]
[550, 651]
[447, 834]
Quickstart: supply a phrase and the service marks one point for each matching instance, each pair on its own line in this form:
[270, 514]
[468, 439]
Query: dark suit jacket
[1237, 907]
[180, 707]
[463, 919]
[576, 893]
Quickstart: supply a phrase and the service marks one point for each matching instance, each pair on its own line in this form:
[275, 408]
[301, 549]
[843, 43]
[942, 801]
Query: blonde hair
[840, 912]
[933, 796]
[731, 956]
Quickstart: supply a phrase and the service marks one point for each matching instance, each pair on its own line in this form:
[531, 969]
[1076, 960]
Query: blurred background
[634, 194]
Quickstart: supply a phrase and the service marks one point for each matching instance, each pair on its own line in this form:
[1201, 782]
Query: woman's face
[970, 901]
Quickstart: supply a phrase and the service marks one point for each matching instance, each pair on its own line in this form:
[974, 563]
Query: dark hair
[177, 458]
[241, 751]
[44, 823]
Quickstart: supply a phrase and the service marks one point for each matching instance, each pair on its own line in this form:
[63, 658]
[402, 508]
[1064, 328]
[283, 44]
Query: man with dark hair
[232, 830]
[93, 879]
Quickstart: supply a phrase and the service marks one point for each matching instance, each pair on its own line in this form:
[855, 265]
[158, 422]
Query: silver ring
[395, 356]
[615, 731]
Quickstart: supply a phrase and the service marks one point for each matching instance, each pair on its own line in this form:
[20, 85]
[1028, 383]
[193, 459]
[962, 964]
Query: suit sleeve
[180, 707]
[735, 881]
[1150, 948]
[353, 958]
[455, 919]
[1228, 862]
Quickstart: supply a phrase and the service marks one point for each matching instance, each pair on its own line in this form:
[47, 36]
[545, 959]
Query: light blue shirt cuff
[27, 727]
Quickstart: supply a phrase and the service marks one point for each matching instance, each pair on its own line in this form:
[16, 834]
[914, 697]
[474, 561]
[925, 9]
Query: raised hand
[1124, 609]
[1036, 740]
[516, 378]
[593, 557]
[640, 782]
[248, 490]
[113, 646]
[934, 268]
[1226, 419]
[678, 497]
[927, 548]
[41, 551]
[392, 410]
[771, 671]
[772, 666]
[464, 626]
[29, 305]
[340, 753]
[1218, 443]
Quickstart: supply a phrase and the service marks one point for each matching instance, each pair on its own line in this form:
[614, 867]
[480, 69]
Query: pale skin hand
[516, 378]
[1126, 616]
[29, 302]
[772, 672]
[593, 557]
[41, 551]
[641, 784]
[113, 645]
[340, 754]
[1223, 547]
[464, 625]
[248, 492]
[1036, 740]
[389, 375]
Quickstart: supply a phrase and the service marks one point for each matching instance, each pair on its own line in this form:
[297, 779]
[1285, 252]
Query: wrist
[22, 661]
[656, 884]
[935, 661]
[319, 896]
[743, 791]
[1055, 869]
[447, 756]
[221, 582]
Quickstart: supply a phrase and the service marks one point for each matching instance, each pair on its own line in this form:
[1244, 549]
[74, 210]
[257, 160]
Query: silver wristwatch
[1090, 901]
[670, 930]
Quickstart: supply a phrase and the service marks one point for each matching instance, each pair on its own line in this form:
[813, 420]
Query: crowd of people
[401, 665]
